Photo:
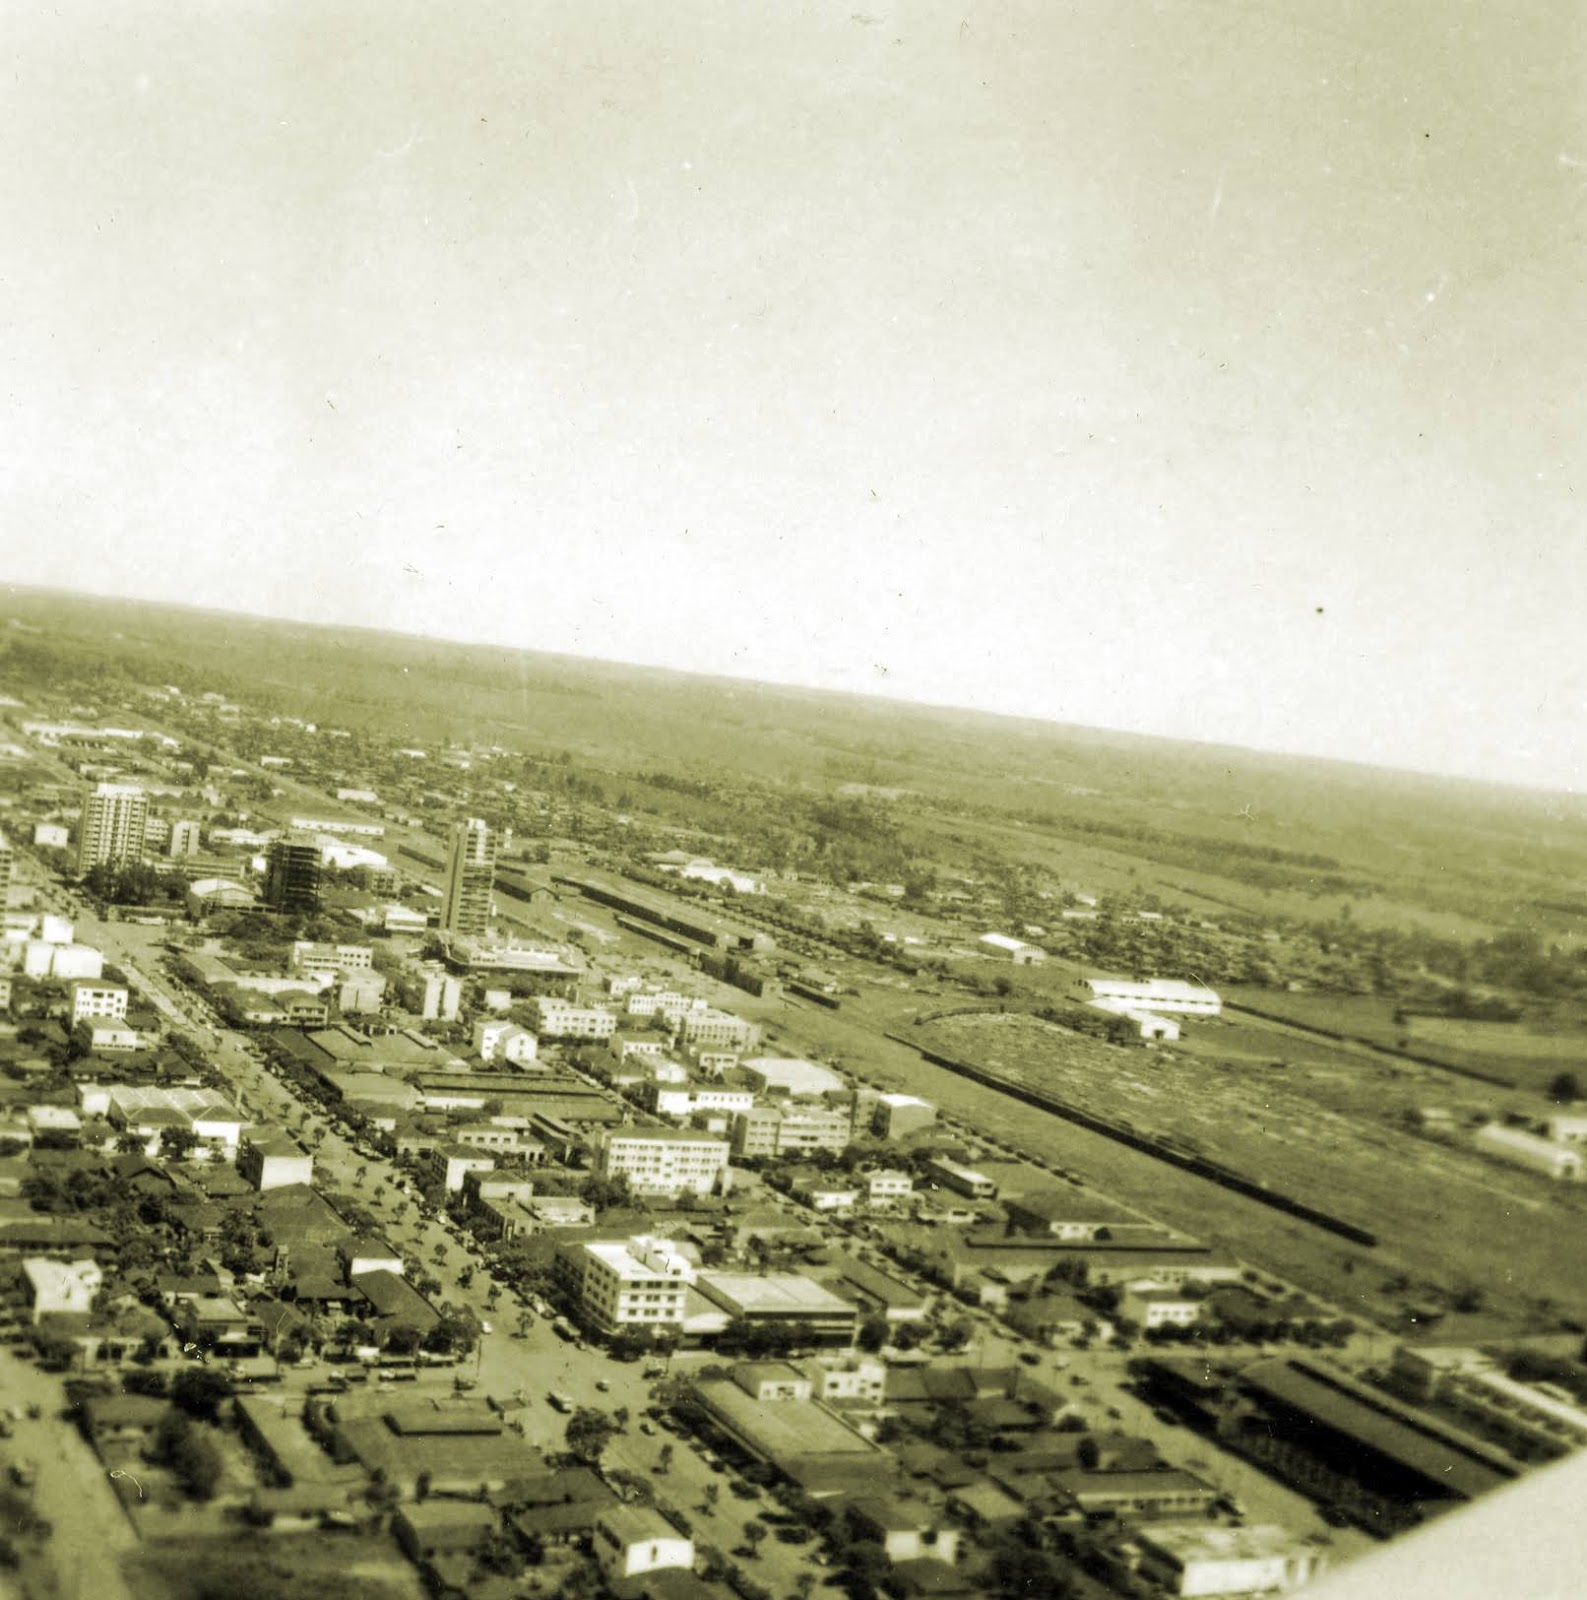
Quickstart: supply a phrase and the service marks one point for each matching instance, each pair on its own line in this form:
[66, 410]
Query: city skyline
[1208, 372]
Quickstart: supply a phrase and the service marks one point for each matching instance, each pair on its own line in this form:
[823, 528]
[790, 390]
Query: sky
[1209, 368]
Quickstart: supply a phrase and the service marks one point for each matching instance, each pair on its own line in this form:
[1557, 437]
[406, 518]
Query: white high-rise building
[111, 830]
[470, 877]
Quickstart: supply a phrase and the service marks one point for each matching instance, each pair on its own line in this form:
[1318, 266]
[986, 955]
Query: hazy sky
[1200, 367]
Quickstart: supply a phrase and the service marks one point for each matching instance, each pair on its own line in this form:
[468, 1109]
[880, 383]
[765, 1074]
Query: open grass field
[1524, 1056]
[1447, 1219]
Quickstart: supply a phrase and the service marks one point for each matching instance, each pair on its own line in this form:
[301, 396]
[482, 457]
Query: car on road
[604, 1385]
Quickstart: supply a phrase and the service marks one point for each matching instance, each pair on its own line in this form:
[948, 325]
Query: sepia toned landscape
[454, 1141]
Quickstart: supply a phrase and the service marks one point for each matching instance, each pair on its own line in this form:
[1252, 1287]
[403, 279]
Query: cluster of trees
[139, 884]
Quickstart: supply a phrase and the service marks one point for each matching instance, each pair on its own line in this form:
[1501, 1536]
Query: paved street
[91, 1531]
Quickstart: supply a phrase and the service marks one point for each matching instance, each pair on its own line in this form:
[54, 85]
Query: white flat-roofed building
[403, 919]
[274, 1163]
[1566, 1129]
[340, 825]
[1172, 995]
[667, 1003]
[1202, 1558]
[782, 1297]
[639, 1282]
[92, 1000]
[562, 1019]
[54, 1119]
[63, 961]
[663, 1161]
[1004, 948]
[109, 1037]
[310, 956]
[792, 1075]
[1530, 1150]
[60, 1286]
[1149, 1305]
[683, 1100]
[719, 1029]
[450, 1162]
[51, 835]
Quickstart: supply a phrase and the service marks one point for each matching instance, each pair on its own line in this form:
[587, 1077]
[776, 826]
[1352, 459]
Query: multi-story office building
[640, 1282]
[91, 999]
[111, 830]
[470, 877]
[292, 874]
[7, 862]
[710, 1027]
[661, 1161]
[561, 1019]
[777, 1130]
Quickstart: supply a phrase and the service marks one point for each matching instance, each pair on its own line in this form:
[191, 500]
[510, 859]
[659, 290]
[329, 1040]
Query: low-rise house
[632, 1540]
[1168, 1492]
[429, 1528]
[560, 1507]
[219, 1325]
[124, 1420]
[1150, 1305]
[907, 1530]
[823, 1193]
[887, 1188]
[1054, 1319]
[1067, 1214]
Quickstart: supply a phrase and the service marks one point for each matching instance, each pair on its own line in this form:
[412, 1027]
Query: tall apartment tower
[7, 862]
[111, 830]
[470, 877]
[185, 839]
[292, 874]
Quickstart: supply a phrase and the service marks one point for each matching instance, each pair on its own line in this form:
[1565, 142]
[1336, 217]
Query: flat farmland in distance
[1525, 1056]
[1325, 1129]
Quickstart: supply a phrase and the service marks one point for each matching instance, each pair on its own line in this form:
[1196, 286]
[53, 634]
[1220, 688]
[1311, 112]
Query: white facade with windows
[639, 1282]
[660, 1162]
[98, 1000]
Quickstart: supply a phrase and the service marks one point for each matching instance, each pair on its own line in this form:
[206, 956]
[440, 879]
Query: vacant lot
[263, 1566]
[1327, 1130]
[1524, 1056]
